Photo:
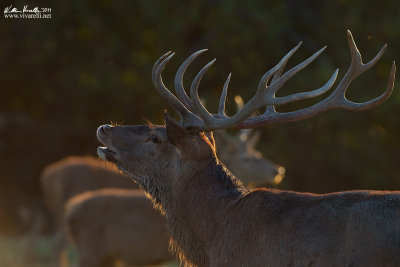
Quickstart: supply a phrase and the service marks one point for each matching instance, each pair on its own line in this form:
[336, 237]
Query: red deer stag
[214, 220]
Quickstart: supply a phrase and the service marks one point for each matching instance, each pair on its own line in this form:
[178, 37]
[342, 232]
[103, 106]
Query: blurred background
[90, 64]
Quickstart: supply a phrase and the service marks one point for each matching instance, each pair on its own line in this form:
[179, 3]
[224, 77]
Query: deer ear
[175, 133]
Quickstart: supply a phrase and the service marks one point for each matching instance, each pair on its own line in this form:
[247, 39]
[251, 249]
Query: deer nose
[281, 170]
[104, 128]
[280, 174]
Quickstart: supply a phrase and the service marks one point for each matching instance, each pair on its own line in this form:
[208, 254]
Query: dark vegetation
[91, 64]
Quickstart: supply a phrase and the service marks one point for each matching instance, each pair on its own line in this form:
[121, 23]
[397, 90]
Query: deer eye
[155, 139]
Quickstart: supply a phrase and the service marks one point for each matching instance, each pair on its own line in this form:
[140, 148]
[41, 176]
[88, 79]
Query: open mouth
[106, 154]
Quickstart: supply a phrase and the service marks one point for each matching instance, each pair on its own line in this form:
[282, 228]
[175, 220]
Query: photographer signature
[11, 9]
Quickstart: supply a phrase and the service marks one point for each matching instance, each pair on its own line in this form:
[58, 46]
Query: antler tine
[222, 100]
[375, 59]
[203, 113]
[278, 73]
[155, 66]
[179, 88]
[187, 117]
[310, 94]
[276, 70]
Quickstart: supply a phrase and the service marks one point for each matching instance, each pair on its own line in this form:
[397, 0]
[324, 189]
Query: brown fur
[107, 225]
[215, 221]
[245, 162]
[71, 176]
[74, 175]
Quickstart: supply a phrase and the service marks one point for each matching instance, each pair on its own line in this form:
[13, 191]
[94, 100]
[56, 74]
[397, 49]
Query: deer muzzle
[105, 152]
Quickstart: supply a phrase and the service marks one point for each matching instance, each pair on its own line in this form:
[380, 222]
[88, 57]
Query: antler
[194, 115]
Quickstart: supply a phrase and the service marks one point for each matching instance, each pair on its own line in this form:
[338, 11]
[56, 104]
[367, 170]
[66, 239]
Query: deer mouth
[106, 153]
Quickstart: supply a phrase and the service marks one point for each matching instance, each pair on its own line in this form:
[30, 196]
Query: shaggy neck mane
[195, 206]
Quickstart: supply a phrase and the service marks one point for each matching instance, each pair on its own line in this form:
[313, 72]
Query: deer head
[238, 153]
[170, 150]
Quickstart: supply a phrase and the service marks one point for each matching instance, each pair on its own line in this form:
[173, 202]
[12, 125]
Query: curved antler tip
[170, 54]
[321, 50]
[166, 54]
[392, 78]
[350, 36]
[393, 70]
[299, 44]
[169, 57]
[158, 68]
[230, 74]
[200, 51]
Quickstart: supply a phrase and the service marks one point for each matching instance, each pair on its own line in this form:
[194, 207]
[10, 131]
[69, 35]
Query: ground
[14, 252]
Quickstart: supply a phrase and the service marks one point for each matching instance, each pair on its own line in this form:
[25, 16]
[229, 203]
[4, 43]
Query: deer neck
[198, 203]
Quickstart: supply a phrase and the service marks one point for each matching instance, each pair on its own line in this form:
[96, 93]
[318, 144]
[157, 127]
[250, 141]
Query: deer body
[213, 219]
[126, 228]
[278, 228]
[74, 175]
[343, 229]
[71, 176]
